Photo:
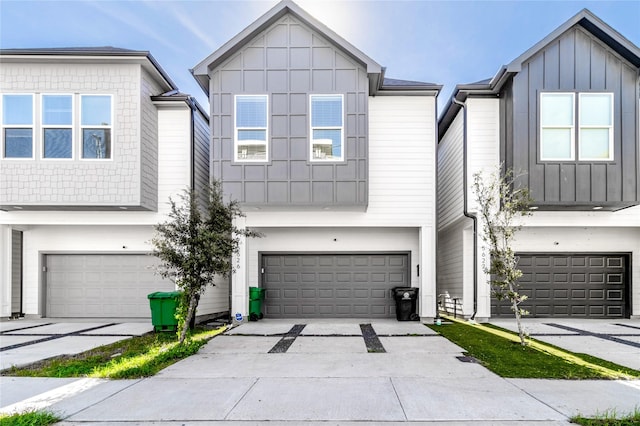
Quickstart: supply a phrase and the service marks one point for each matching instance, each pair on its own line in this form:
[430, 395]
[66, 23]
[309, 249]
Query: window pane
[56, 110]
[96, 143]
[252, 152]
[594, 144]
[326, 111]
[595, 109]
[17, 110]
[57, 143]
[251, 111]
[556, 144]
[18, 143]
[96, 110]
[252, 135]
[327, 144]
[556, 109]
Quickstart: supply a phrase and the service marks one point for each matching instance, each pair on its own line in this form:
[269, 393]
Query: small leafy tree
[500, 202]
[196, 244]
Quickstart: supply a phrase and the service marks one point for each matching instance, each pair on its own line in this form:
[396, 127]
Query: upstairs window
[17, 126]
[95, 125]
[251, 128]
[327, 139]
[596, 126]
[563, 122]
[57, 126]
[557, 127]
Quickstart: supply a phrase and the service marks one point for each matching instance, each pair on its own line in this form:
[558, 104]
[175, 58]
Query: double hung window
[327, 134]
[57, 126]
[251, 130]
[583, 125]
[17, 126]
[95, 123]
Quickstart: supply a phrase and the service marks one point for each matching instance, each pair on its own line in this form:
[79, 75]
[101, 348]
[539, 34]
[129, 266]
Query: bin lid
[164, 295]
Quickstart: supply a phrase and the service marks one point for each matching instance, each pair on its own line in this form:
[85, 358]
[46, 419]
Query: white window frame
[571, 127]
[312, 128]
[609, 127]
[236, 129]
[4, 126]
[44, 126]
[95, 126]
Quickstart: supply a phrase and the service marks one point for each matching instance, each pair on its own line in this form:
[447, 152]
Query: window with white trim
[327, 130]
[17, 126]
[95, 125]
[557, 126]
[57, 126]
[251, 129]
[596, 127]
[568, 125]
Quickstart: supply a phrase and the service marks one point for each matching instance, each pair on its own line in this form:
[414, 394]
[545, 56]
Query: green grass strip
[29, 418]
[609, 418]
[501, 352]
[133, 358]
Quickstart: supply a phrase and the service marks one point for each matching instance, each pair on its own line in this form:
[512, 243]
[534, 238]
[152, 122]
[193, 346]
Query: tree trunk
[193, 302]
[516, 311]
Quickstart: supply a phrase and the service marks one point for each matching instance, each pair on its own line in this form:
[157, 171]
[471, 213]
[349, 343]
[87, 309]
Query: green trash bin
[163, 309]
[256, 296]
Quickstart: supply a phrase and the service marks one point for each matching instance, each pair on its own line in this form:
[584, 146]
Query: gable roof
[587, 20]
[90, 54]
[200, 71]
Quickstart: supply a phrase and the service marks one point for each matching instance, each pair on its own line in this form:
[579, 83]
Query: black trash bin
[406, 302]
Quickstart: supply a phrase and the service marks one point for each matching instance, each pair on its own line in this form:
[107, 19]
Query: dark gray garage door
[572, 285]
[101, 285]
[332, 286]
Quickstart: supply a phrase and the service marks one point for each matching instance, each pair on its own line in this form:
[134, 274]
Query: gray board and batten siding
[576, 61]
[288, 61]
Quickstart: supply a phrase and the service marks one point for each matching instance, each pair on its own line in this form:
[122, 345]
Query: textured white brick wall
[78, 182]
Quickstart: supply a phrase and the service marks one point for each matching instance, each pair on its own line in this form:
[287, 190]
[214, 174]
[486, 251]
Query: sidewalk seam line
[105, 398]
[395, 391]
[226, 415]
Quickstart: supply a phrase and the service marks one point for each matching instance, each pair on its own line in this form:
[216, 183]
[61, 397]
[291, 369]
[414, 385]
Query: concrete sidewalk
[324, 372]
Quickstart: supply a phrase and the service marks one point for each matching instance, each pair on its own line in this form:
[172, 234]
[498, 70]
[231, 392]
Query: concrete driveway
[345, 372]
[24, 342]
[613, 340]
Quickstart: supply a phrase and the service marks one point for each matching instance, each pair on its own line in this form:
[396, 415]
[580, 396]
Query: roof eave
[594, 25]
[201, 70]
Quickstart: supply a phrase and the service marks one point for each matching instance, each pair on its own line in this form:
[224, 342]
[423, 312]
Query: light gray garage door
[332, 286]
[572, 285]
[101, 285]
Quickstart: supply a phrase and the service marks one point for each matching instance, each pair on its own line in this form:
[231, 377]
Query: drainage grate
[371, 339]
[466, 358]
[287, 340]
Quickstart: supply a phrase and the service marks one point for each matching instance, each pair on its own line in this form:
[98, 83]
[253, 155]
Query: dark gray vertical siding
[16, 272]
[575, 62]
[289, 61]
[201, 152]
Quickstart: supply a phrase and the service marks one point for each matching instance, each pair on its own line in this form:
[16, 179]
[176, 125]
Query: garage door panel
[101, 285]
[344, 285]
[570, 285]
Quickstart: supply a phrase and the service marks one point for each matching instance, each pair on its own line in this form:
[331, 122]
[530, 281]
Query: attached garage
[346, 285]
[100, 285]
[572, 285]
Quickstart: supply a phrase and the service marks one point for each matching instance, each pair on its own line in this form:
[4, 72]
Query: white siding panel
[483, 140]
[215, 298]
[450, 163]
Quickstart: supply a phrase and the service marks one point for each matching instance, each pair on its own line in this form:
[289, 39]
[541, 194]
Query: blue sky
[444, 42]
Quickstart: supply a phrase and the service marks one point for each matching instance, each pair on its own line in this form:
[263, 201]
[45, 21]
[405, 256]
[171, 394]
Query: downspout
[192, 136]
[471, 216]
